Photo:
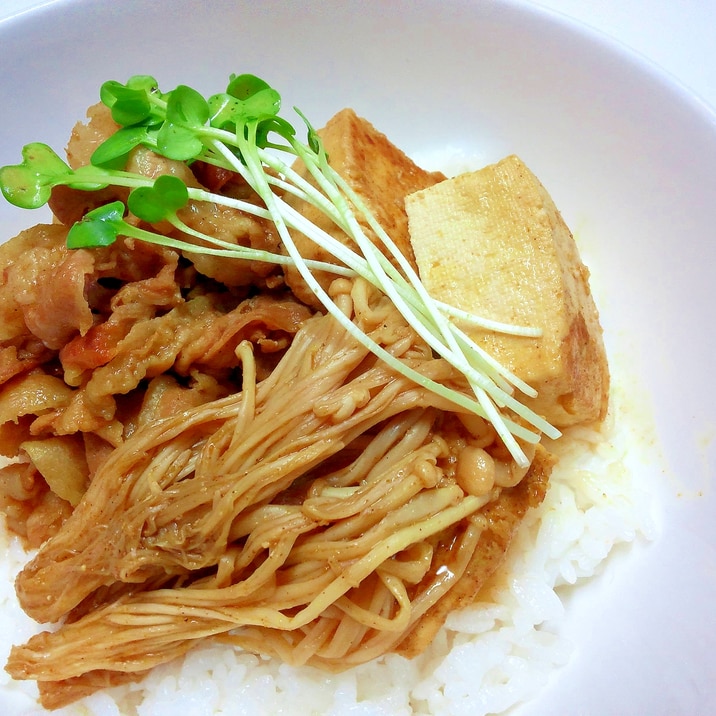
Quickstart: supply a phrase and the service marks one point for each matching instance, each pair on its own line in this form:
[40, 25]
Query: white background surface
[677, 36]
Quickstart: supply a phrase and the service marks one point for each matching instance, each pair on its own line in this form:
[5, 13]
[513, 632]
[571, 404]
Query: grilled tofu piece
[492, 242]
[380, 173]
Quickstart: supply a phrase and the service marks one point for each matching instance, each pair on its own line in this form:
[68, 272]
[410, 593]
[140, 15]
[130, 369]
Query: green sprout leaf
[187, 108]
[29, 184]
[114, 151]
[99, 227]
[131, 107]
[177, 142]
[277, 125]
[129, 103]
[226, 112]
[249, 100]
[258, 100]
[313, 140]
[187, 114]
[159, 202]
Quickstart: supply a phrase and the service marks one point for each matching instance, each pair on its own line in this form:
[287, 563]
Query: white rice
[487, 659]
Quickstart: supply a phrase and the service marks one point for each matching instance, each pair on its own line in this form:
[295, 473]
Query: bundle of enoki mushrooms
[321, 514]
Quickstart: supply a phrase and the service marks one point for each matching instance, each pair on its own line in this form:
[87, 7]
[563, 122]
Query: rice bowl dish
[591, 506]
[489, 657]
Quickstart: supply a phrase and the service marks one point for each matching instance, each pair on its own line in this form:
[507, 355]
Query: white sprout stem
[299, 222]
[489, 324]
[299, 187]
[254, 175]
[337, 190]
[93, 175]
[353, 229]
[491, 366]
[229, 250]
[467, 344]
[504, 379]
[371, 266]
[380, 280]
[485, 389]
[246, 206]
[468, 348]
[234, 252]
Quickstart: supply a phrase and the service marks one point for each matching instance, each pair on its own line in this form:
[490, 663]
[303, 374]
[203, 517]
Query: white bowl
[629, 157]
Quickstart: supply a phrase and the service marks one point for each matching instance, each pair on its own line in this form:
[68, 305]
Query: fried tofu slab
[381, 174]
[492, 242]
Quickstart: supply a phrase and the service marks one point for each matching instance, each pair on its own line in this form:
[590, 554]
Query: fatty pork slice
[43, 288]
[492, 242]
[379, 172]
